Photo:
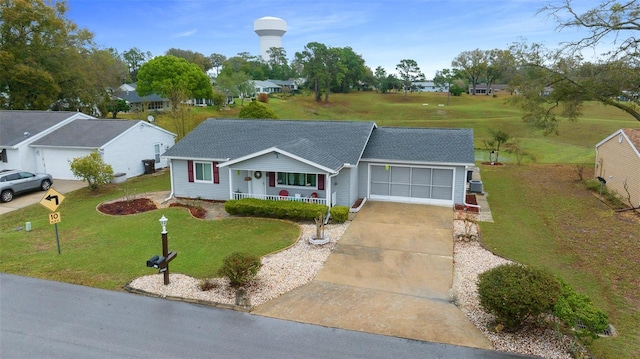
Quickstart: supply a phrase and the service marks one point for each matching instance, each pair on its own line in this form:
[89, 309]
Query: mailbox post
[162, 262]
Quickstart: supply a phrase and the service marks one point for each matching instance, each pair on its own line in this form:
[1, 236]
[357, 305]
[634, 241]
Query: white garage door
[427, 185]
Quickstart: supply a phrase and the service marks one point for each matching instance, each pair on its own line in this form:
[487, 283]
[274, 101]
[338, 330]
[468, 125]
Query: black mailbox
[159, 262]
[151, 261]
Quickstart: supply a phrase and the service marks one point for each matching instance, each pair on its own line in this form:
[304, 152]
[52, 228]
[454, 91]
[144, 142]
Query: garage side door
[427, 185]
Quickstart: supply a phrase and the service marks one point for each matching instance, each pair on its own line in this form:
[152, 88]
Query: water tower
[270, 29]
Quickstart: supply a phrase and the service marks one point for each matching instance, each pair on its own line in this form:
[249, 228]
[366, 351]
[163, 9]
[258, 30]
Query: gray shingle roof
[327, 143]
[14, 124]
[86, 133]
[421, 145]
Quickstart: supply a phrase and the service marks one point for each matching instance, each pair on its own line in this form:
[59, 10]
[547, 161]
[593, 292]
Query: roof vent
[27, 134]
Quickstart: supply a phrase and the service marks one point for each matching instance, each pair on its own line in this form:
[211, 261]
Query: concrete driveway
[27, 199]
[390, 274]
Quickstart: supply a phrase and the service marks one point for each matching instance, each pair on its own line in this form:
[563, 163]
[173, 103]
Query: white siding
[125, 153]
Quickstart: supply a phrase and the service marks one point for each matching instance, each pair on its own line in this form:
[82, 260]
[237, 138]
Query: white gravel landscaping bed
[300, 263]
[280, 272]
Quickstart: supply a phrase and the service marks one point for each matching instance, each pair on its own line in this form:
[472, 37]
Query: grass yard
[108, 251]
[544, 217]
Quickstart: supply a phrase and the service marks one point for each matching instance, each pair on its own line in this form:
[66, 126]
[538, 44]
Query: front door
[258, 185]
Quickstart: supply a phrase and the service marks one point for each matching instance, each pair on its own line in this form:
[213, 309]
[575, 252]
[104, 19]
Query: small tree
[498, 137]
[117, 105]
[240, 268]
[92, 169]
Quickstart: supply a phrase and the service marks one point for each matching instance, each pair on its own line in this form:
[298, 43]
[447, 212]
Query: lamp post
[162, 263]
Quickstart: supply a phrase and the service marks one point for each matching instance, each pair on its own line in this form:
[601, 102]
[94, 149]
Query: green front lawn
[108, 251]
[546, 218]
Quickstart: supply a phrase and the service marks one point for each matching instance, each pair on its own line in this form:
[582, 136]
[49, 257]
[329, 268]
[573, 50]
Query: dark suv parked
[13, 182]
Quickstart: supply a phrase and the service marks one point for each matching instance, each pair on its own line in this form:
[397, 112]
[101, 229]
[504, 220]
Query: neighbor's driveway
[27, 199]
[390, 274]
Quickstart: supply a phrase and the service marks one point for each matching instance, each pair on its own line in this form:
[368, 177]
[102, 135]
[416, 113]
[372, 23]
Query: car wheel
[45, 185]
[6, 196]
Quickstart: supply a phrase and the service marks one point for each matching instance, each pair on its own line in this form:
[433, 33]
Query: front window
[204, 172]
[297, 179]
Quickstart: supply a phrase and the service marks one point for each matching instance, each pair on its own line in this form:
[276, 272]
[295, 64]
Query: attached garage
[416, 184]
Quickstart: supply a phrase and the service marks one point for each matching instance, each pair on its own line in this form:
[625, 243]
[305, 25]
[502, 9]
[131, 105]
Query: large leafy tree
[44, 58]
[203, 62]
[217, 60]
[174, 78]
[135, 58]
[472, 65]
[312, 60]
[409, 72]
[553, 83]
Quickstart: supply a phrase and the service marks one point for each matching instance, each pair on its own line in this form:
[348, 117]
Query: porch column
[230, 171]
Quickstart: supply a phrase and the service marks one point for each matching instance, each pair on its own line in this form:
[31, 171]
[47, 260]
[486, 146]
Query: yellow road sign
[54, 218]
[52, 199]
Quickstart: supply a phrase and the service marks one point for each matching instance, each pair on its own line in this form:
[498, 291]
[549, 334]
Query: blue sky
[432, 32]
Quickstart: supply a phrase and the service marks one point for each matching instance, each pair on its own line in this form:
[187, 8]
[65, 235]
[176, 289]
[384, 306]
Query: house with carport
[327, 162]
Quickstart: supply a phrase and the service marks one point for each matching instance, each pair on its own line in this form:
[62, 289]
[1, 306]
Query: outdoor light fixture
[163, 221]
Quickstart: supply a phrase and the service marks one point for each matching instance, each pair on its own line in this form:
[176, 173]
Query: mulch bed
[196, 211]
[141, 205]
[469, 199]
[133, 206]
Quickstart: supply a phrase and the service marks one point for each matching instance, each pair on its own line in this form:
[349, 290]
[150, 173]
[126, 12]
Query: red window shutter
[272, 179]
[216, 173]
[190, 170]
[321, 182]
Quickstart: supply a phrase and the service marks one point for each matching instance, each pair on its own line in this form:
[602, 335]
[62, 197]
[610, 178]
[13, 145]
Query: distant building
[427, 86]
[270, 29]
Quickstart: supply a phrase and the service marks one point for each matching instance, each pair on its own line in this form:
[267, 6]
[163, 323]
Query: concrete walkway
[390, 274]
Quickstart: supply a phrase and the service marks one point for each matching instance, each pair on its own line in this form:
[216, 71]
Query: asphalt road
[45, 319]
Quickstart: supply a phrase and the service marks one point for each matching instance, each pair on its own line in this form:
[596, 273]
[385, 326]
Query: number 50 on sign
[54, 218]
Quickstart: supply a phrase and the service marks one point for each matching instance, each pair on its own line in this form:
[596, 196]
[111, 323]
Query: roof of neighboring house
[632, 134]
[16, 126]
[263, 84]
[327, 143]
[86, 134]
[131, 96]
[432, 145]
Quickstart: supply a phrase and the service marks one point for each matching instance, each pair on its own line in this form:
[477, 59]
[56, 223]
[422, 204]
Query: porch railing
[237, 195]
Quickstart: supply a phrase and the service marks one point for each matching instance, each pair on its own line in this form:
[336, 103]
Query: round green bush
[513, 293]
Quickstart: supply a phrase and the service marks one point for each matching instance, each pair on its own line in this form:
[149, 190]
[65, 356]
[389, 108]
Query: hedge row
[275, 209]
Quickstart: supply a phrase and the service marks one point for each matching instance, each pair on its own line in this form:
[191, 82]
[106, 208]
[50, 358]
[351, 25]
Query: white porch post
[230, 183]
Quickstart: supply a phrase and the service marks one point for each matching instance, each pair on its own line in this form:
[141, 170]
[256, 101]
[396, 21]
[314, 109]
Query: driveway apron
[390, 273]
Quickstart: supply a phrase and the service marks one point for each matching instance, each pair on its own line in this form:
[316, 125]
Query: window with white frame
[203, 171]
[297, 179]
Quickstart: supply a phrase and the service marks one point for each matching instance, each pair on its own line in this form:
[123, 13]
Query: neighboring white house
[45, 141]
[428, 86]
[266, 87]
[618, 163]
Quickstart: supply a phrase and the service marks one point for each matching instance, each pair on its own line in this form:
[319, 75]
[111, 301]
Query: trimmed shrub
[514, 293]
[573, 308]
[293, 210]
[340, 214]
[240, 268]
[263, 97]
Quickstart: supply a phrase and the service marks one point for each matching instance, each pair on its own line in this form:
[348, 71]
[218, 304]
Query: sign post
[52, 200]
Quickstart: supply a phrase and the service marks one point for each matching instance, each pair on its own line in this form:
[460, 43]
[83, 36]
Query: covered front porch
[279, 186]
